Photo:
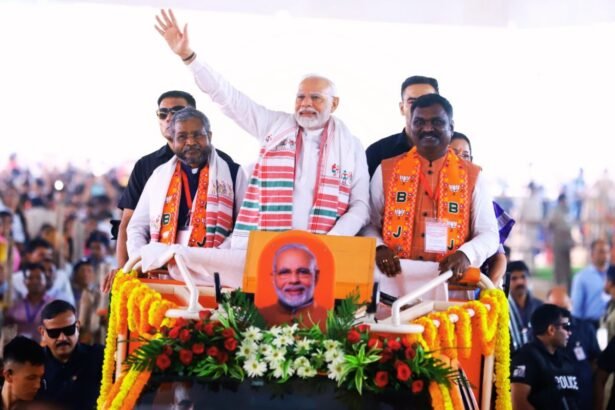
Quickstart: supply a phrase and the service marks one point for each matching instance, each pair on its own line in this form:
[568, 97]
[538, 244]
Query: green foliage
[241, 310]
[144, 357]
[340, 321]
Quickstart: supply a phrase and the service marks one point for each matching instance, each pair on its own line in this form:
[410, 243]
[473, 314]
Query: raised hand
[176, 39]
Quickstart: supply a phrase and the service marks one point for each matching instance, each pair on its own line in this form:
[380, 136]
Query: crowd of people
[418, 193]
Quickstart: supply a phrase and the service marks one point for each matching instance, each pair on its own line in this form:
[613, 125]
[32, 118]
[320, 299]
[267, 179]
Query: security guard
[543, 375]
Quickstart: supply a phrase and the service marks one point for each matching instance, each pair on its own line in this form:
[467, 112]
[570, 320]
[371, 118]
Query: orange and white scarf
[451, 195]
[212, 208]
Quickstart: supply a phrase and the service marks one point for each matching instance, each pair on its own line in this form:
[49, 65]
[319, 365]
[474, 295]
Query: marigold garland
[135, 390]
[144, 309]
[483, 328]
[446, 333]
[430, 333]
[463, 331]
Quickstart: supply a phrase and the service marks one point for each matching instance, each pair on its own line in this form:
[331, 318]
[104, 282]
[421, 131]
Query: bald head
[559, 297]
[316, 100]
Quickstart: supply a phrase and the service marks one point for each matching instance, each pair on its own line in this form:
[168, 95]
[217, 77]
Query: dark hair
[597, 242]
[79, 264]
[54, 308]
[428, 100]
[23, 350]
[189, 113]
[516, 266]
[610, 274]
[6, 214]
[419, 79]
[178, 94]
[29, 267]
[544, 316]
[460, 136]
[35, 243]
[97, 236]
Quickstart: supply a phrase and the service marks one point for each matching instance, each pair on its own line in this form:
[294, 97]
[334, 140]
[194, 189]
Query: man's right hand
[105, 285]
[175, 38]
[387, 261]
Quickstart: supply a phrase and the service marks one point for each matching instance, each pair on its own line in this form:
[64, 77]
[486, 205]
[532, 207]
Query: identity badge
[436, 235]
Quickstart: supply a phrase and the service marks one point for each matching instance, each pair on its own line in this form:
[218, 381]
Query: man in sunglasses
[73, 370]
[543, 375]
[311, 173]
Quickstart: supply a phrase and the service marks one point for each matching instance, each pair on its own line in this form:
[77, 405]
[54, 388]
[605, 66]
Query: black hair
[54, 308]
[460, 136]
[178, 94]
[189, 113]
[23, 350]
[35, 243]
[28, 267]
[428, 100]
[516, 266]
[597, 242]
[97, 236]
[419, 79]
[610, 274]
[544, 316]
[79, 264]
[6, 214]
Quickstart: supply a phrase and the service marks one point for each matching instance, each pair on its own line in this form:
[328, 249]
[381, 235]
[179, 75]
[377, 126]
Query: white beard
[313, 123]
[295, 301]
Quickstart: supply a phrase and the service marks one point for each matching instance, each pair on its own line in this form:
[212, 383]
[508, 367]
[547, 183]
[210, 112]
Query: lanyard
[187, 193]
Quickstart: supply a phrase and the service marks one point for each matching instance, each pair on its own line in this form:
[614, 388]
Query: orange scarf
[170, 210]
[451, 196]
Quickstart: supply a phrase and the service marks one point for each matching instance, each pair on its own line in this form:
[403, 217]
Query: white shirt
[261, 122]
[484, 226]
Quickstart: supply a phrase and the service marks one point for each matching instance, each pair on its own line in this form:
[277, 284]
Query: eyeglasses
[162, 113]
[68, 331]
[566, 326]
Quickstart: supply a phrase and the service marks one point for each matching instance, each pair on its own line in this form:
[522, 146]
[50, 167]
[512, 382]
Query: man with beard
[543, 376]
[73, 370]
[295, 275]
[190, 200]
[311, 173]
[521, 303]
[429, 205]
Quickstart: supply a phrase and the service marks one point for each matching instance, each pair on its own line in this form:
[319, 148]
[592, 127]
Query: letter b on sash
[401, 196]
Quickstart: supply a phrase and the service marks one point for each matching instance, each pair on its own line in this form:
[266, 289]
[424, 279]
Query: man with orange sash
[191, 200]
[431, 211]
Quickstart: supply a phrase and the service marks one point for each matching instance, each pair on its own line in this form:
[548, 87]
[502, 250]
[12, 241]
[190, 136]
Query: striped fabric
[505, 222]
[268, 203]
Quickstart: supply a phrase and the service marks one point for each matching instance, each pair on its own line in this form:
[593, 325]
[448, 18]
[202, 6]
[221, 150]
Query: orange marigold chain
[463, 330]
[446, 333]
[144, 306]
[430, 333]
[451, 195]
[135, 390]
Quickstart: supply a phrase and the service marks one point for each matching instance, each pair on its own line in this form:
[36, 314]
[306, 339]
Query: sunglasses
[163, 113]
[566, 326]
[68, 331]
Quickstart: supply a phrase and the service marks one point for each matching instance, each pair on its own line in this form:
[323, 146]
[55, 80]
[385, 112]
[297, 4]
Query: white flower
[290, 330]
[253, 333]
[276, 355]
[306, 371]
[335, 370]
[283, 340]
[304, 344]
[265, 350]
[278, 370]
[334, 355]
[331, 344]
[301, 362]
[276, 331]
[247, 349]
[254, 368]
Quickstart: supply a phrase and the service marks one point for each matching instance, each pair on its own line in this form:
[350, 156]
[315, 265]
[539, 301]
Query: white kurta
[483, 244]
[262, 122]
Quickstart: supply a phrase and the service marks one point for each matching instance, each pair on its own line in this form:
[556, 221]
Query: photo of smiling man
[294, 276]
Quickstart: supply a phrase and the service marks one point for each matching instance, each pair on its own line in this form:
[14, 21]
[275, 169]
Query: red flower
[230, 344]
[212, 351]
[174, 333]
[185, 356]
[417, 386]
[394, 345]
[381, 379]
[228, 332]
[386, 355]
[353, 336]
[168, 350]
[198, 348]
[163, 362]
[164, 330]
[374, 342]
[184, 335]
[405, 342]
[403, 372]
[204, 314]
[209, 329]
[222, 357]
[363, 328]
[410, 353]
[181, 322]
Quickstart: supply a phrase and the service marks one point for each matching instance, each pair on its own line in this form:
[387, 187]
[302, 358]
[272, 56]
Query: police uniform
[552, 376]
[583, 349]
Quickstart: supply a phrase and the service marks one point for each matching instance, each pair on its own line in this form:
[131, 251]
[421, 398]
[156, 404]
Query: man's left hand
[457, 262]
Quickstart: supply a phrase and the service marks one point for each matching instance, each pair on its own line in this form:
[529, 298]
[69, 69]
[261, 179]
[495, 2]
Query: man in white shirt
[311, 173]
